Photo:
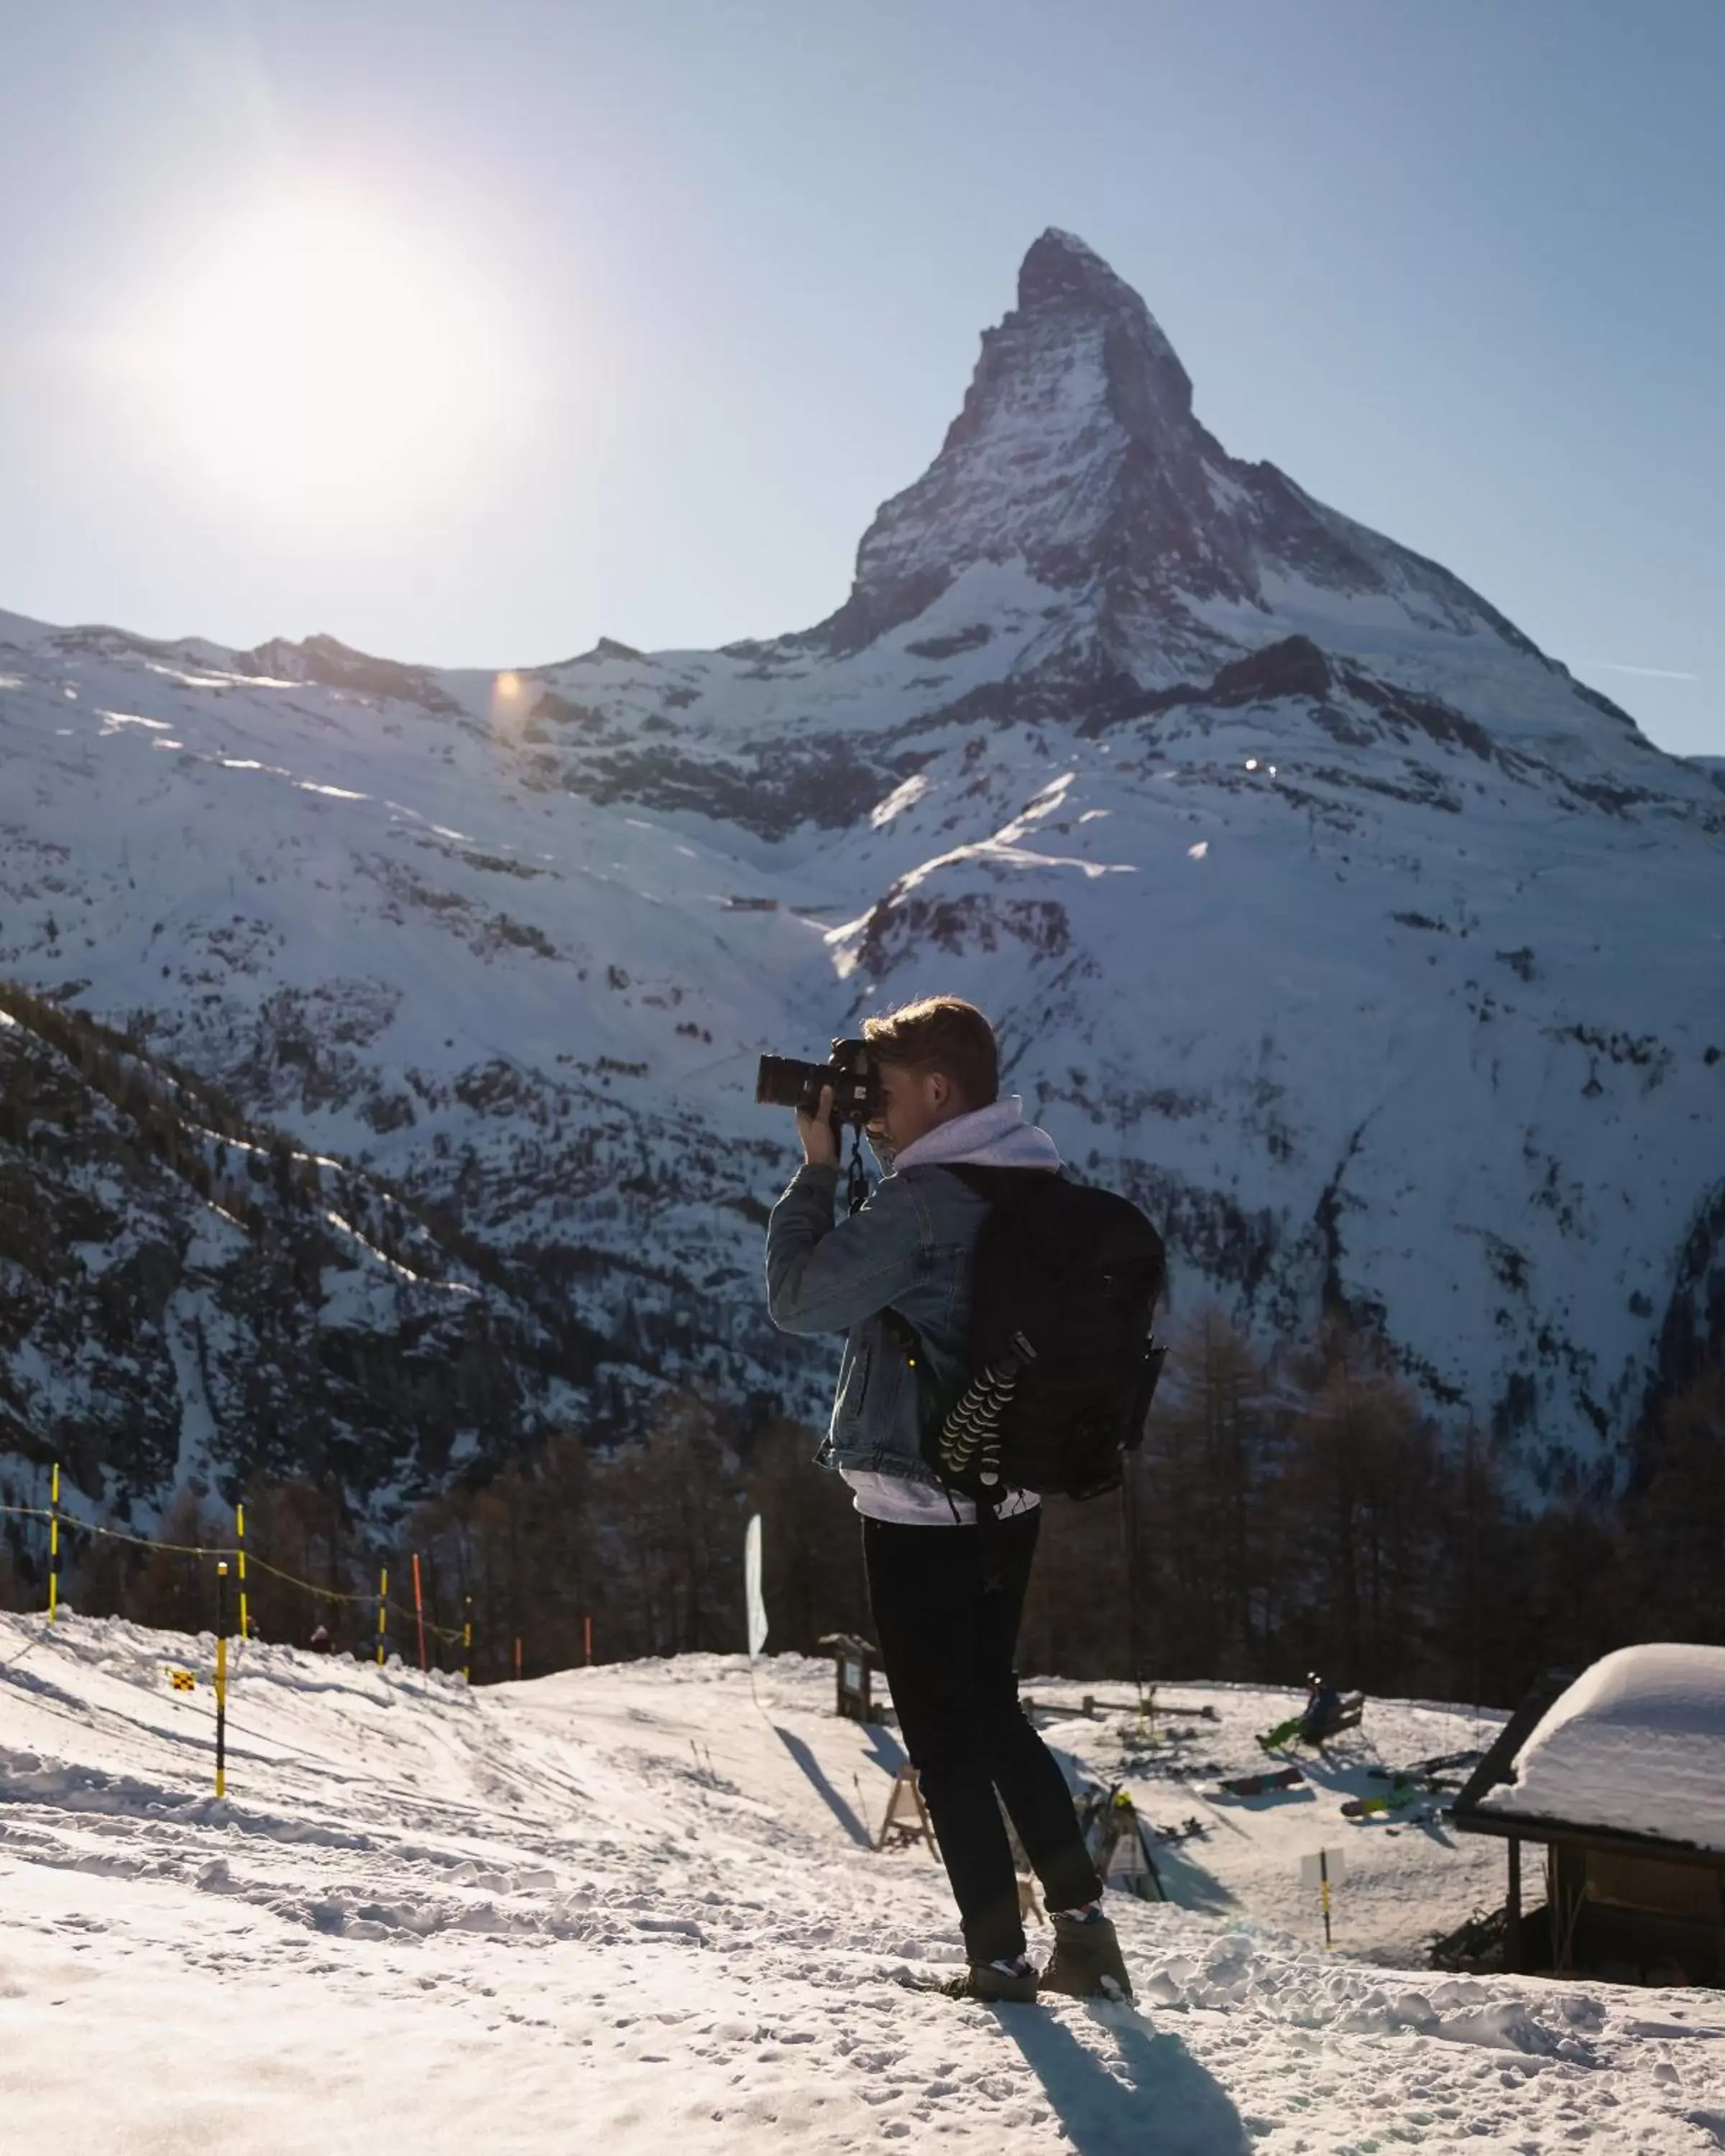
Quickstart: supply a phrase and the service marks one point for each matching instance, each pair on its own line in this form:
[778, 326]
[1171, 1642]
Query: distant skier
[1323, 1716]
[895, 1277]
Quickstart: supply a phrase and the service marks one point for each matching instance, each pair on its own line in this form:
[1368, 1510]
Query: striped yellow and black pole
[382, 1604]
[53, 1543]
[222, 1678]
[245, 1622]
[467, 1644]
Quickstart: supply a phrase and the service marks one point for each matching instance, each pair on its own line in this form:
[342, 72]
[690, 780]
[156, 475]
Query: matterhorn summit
[1078, 455]
[393, 1019]
[1076, 450]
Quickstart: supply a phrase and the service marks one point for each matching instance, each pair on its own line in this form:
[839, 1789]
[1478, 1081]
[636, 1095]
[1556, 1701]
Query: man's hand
[815, 1133]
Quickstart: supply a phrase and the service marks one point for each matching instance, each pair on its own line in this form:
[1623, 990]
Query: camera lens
[780, 1081]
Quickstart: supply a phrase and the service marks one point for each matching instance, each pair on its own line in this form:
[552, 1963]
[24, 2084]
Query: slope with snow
[199, 1297]
[1317, 906]
[632, 1906]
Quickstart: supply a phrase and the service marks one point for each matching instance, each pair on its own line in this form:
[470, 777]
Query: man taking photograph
[896, 1278]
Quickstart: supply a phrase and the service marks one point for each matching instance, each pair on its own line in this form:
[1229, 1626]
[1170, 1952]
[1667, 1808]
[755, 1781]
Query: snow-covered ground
[632, 1908]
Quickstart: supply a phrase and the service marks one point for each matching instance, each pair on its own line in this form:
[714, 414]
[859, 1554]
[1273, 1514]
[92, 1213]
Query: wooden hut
[1619, 1775]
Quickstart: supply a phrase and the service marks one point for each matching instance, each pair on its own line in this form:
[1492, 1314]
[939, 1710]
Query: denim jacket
[907, 1251]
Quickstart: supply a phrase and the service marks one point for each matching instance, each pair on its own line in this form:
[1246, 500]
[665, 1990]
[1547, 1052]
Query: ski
[1256, 1785]
[1444, 1763]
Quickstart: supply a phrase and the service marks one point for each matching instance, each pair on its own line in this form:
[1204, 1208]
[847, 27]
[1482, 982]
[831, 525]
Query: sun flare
[321, 359]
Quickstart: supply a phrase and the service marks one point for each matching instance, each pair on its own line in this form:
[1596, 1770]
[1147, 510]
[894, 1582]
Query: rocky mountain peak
[1078, 460]
[1077, 395]
[1060, 268]
[1061, 276]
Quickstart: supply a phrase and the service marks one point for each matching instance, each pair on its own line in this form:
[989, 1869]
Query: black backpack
[1062, 1366]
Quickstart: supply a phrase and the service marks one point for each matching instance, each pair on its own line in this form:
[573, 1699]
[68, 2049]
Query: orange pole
[587, 1628]
[518, 1657]
[419, 1611]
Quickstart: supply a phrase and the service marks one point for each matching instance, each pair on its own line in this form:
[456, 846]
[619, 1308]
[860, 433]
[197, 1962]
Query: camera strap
[856, 1188]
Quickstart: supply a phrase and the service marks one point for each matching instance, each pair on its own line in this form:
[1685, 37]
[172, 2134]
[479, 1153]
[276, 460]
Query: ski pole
[53, 1543]
[221, 1679]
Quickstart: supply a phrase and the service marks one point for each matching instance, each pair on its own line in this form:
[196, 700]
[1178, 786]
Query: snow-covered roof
[1636, 1744]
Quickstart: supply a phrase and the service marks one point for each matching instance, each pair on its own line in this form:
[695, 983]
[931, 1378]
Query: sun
[320, 358]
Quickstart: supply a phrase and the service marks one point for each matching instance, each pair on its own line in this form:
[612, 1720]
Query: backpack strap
[987, 1523]
[1000, 1186]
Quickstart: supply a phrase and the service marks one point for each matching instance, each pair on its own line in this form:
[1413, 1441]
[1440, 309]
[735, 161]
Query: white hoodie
[994, 1137]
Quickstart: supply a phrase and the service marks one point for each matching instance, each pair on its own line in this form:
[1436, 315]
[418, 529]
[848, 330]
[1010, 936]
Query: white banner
[752, 1587]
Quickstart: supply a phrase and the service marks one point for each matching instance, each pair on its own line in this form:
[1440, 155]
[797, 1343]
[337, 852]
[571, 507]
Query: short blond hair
[944, 1033]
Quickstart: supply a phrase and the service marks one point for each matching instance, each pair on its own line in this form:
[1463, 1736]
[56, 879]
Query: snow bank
[1637, 1743]
[634, 1907]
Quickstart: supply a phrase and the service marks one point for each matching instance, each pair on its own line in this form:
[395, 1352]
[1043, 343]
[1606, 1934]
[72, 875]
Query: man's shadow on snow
[1154, 2099]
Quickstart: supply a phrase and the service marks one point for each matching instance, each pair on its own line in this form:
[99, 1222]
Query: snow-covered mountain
[189, 1290]
[1381, 958]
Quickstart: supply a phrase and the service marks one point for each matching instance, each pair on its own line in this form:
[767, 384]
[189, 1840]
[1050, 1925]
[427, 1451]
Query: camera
[780, 1081]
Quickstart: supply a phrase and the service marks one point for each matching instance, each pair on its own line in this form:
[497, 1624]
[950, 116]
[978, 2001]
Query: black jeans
[947, 1646]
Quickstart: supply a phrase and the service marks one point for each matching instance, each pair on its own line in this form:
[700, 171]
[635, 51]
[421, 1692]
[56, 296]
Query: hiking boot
[996, 1981]
[1085, 1962]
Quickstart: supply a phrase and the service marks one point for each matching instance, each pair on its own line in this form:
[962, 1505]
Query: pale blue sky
[1454, 264]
